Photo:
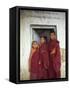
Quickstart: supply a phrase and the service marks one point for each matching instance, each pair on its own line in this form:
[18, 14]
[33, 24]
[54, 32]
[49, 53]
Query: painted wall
[39, 18]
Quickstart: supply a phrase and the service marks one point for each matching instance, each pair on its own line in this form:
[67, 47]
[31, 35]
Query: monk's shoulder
[58, 43]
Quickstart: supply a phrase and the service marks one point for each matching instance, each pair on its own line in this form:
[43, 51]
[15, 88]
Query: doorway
[37, 32]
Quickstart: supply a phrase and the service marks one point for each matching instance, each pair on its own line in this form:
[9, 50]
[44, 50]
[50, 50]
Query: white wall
[28, 18]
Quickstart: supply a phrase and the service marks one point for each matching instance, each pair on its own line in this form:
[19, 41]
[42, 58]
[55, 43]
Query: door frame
[38, 26]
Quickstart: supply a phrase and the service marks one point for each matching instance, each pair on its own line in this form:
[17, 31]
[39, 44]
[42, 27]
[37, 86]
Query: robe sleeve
[29, 63]
[45, 58]
[57, 60]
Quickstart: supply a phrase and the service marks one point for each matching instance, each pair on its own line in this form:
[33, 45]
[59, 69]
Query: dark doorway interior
[37, 32]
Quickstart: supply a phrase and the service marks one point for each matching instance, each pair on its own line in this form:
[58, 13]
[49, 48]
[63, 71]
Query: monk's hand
[39, 62]
[53, 51]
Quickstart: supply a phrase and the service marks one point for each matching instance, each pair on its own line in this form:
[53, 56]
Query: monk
[34, 61]
[54, 57]
[44, 57]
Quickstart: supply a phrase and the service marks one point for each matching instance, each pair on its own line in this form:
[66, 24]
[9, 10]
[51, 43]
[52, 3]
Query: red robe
[44, 58]
[54, 60]
[34, 65]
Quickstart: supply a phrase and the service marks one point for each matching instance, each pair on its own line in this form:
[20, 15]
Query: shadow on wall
[63, 62]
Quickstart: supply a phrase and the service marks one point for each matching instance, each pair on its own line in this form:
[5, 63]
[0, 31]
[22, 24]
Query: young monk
[44, 57]
[54, 57]
[34, 61]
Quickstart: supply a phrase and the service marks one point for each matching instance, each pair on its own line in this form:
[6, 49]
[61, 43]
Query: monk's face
[42, 40]
[52, 36]
[35, 45]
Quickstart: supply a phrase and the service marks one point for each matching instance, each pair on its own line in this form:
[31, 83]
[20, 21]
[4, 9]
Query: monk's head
[35, 44]
[43, 39]
[52, 35]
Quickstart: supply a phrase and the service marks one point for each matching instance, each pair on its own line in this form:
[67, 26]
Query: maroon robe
[44, 58]
[34, 65]
[54, 60]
